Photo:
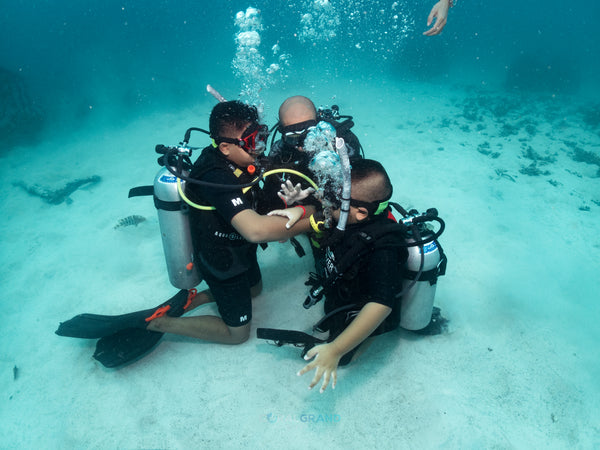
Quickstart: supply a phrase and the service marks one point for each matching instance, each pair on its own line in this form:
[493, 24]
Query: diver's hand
[291, 194]
[326, 363]
[293, 214]
[439, 12]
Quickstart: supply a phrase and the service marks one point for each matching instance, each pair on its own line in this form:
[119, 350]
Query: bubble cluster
[320, 21]
[377, 26]
[325, 162]
[249, 65]
[374, 26]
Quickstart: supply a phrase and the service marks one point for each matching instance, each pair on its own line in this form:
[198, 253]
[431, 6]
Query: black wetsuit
[373, 277]
[227, 260]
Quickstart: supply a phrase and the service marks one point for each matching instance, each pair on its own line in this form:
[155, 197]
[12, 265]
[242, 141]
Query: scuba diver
[298, 117]
[225, 230]
[365, 287]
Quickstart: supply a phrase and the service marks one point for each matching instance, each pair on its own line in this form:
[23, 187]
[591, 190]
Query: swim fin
[93, 326]
[125, 346]
[295, 338]
[129, 344]
[299, 339]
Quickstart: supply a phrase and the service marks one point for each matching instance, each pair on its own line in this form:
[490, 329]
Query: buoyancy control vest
[218, 247]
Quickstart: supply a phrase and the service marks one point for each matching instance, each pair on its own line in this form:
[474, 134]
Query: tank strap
[168, 206]
[141, 191]
[430, 275]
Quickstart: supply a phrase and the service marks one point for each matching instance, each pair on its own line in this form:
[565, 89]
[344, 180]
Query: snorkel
[342, 151]
[331, 165]
[212, 91]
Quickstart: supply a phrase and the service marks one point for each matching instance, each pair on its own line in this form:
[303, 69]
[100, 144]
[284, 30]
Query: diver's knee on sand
[239, 335]
[256, 289]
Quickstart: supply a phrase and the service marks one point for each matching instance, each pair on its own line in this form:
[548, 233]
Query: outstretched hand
[439, 12]
[326, 363]
[291, 194]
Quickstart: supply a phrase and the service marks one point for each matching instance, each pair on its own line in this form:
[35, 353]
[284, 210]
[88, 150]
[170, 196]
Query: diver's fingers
[307, 368]
[325, 381]
[284, 213]
[432, 14]
[305, 193]
[289, 186]
[309, 355]
[334, 376]
[436, 29]
[279, 212]
[441, 23]
[293, 220]
[316, 378]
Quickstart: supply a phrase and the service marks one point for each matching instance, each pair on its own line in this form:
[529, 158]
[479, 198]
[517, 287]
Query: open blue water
[496, 122]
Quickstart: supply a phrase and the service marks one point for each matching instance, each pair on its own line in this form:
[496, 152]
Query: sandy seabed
[515, 179]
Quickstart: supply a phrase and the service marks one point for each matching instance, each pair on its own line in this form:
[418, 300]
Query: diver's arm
[328, 355]
[257, 228]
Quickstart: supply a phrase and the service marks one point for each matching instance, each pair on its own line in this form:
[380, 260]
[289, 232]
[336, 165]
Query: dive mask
[373, 208]
[253, 140]
[294, 135]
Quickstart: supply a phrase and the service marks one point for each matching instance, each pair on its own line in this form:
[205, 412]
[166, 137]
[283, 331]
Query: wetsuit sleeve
[382, 277]
[228, 202]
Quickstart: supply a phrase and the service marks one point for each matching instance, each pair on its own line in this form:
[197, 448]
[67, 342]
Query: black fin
[93, 326]
[125, 346]
[130, 344]
[282, 337]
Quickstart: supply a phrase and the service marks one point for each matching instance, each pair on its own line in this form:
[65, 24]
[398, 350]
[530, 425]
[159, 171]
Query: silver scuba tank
[417, 303]
[173, 220]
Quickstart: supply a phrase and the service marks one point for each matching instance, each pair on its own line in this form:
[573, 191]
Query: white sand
[518, 368]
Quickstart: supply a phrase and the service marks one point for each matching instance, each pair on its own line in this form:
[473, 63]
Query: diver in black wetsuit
[366, 293]
[225, 230]
[225, 237]
[297, 117]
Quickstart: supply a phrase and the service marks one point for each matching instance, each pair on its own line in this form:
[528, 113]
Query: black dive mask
[373, 208]
[295, 134]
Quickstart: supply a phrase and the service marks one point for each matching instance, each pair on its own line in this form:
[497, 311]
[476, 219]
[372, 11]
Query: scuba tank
[416, 305]
[425, 263]
[173, 219]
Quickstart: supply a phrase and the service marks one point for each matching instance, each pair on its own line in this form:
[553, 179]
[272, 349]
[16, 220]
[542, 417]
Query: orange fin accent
[158, 313]
[191, 295]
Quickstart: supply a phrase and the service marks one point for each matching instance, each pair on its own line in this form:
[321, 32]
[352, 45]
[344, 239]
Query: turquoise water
[496, 123]
[124, 57]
